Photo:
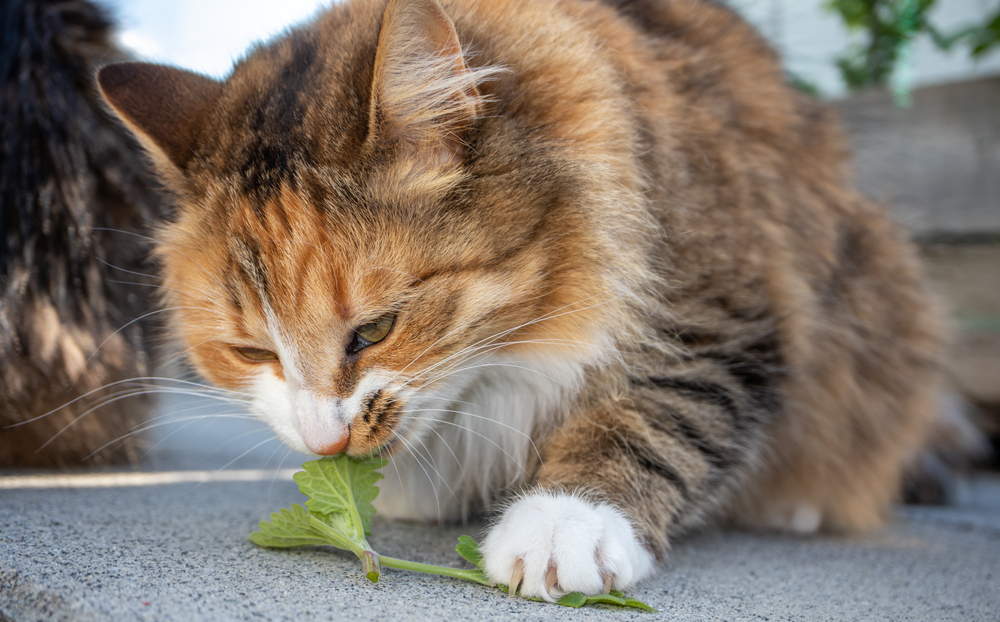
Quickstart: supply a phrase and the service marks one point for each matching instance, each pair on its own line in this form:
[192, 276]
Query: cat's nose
[329, 446]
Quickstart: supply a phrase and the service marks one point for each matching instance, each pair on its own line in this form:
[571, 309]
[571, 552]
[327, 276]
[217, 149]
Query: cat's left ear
[166, 108]
[424, 95]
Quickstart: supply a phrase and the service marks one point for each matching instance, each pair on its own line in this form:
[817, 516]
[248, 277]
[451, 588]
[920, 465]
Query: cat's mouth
[379, 429]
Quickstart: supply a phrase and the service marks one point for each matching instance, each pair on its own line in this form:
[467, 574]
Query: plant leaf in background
[888, 28]
[985, 37]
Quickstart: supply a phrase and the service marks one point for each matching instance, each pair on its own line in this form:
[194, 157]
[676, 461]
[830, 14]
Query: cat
[75, 201]
[592, 260]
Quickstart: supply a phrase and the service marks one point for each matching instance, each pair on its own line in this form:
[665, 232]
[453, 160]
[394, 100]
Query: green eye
[256, 355]
[371, 333]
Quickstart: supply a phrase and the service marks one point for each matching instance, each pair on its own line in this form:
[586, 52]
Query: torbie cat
[594, 254]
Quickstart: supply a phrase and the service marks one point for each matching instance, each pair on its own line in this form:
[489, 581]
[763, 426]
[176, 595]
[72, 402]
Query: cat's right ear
[166, 108]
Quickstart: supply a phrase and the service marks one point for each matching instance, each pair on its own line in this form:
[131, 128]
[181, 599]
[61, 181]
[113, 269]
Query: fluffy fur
[630, 280]
[68, 175]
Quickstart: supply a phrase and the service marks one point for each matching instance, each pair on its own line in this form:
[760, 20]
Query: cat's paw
[553, 544]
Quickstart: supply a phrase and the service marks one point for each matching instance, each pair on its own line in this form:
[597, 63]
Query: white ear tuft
[424, 95]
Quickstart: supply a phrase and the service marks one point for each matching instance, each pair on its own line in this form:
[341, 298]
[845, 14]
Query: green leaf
[606, 599]
[573, 599]
[577, 599]
[638, 604]
[469, 550]
[342, 486]
[288, 528]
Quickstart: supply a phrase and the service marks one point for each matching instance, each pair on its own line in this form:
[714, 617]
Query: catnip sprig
[339, 513]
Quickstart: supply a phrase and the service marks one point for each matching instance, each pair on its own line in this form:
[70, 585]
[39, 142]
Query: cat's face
[350, 332]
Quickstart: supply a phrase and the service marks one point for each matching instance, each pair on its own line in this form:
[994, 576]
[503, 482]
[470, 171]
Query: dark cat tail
[955, 444]
[75, 200]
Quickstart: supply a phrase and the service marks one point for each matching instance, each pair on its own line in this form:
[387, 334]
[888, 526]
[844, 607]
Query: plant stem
[476, 576]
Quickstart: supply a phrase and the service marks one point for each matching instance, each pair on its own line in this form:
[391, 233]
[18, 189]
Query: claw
[551, 578]
[515, 577]
[609, 579]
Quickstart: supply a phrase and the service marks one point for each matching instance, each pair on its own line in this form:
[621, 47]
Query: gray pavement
[179, 552]
[117, 548]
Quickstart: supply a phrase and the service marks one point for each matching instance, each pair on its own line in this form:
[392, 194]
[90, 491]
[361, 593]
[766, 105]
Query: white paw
[801, 518]
[558, 543]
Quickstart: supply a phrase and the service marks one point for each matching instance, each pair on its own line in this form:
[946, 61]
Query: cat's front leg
[618, 479]
[553, 543]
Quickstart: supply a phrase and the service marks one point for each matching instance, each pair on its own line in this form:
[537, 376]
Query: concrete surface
[127, 546]
[180, 552]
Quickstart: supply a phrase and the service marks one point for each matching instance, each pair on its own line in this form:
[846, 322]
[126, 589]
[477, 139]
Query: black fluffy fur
[68, 173]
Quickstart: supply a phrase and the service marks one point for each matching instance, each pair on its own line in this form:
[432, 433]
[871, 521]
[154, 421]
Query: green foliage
[888, 28]
[340, 512]
[289, 528]
[985, 37]
[342, 487]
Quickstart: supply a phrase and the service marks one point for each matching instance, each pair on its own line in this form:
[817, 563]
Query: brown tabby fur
[634, 169]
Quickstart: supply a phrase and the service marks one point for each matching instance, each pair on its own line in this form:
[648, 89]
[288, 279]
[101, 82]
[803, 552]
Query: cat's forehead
[294, 254]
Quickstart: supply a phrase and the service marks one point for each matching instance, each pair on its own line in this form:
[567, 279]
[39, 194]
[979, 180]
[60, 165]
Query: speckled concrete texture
[180, 552]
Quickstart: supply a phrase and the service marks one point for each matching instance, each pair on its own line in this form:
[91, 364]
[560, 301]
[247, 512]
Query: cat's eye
[256, 355]
[371, 333]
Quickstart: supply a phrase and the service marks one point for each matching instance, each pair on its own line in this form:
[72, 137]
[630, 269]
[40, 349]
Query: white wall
[208, 35]
[810, 37]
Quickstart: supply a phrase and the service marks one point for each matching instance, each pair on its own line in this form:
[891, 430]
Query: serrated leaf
[342, 486]
[469, 550]
[288, 528]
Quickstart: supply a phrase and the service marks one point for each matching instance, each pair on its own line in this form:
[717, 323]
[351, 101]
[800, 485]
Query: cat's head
[361, 230]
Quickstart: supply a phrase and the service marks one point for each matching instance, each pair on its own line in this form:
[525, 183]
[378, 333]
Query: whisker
[410, 447]
[161, 243]
[490, 341]
[145, 428]
[209, 391]
[483, 436]
[482, 365]
[228, 464]
[494, 421]
[103, 343]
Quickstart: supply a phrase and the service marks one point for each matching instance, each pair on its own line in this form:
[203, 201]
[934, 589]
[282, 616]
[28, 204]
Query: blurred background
[918, 86]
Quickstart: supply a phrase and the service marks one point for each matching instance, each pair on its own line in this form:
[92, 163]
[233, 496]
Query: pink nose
[328, 447]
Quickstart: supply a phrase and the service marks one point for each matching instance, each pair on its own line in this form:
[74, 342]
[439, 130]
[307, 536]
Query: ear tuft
[165, 107]
[424, 95]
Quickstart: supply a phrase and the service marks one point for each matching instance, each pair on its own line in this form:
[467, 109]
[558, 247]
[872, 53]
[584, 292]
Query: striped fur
[623, 257]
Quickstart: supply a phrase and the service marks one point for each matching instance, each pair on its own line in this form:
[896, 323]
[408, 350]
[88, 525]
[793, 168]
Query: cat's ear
[424, 95]
[164, 107]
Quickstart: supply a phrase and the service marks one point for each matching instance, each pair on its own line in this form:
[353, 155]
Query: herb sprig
[339, 513]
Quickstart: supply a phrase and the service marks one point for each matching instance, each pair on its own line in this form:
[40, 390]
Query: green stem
[336, 538]
[369, 559]
[476, 576]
